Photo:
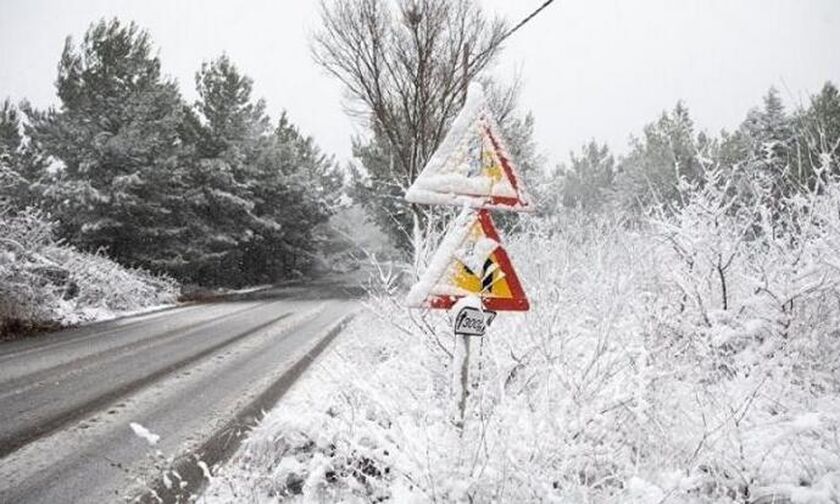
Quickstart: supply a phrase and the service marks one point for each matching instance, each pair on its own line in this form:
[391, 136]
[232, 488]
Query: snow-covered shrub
[26, 290]
[46, 283]
[692, 357]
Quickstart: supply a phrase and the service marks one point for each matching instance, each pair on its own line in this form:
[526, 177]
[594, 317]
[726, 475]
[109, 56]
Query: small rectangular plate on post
[472, 321]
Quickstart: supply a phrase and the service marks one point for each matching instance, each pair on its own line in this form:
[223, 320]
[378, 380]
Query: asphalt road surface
[197, 376]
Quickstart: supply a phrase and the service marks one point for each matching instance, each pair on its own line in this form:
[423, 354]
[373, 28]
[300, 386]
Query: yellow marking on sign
[469, 281]
[500, 287]
[488, 282]
[465, 279]
[491, 166]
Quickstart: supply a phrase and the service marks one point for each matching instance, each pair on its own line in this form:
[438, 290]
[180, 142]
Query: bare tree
[404, 67]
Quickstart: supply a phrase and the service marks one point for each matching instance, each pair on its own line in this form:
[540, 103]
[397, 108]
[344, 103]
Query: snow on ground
[144, 433]
[636, 377]
[46, 283]
[99, 314]
[132, 315]
[371, 420]
[248, 290]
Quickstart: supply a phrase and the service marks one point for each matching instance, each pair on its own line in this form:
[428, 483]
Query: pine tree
[296, 187]
[818, 138]
[118, 134]
[771, 134]
[259, 195]
[10, 141]
[381, 193]
[665, 155]
[589, 178]
[232, 119]
[233, 132]
[22, 170]
[770, 154]
[10, 138]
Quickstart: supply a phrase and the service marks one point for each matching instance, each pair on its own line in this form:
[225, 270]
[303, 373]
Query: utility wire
[510, 32]
[526, 20]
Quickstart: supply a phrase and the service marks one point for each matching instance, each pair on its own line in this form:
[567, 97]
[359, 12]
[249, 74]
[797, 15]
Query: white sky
[590, 68]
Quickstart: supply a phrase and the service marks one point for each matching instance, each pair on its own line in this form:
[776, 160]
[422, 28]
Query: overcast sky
[590, 69]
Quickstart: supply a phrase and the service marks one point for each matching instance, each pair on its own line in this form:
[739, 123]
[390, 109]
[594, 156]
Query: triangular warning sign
[470, 262]
[472, 165]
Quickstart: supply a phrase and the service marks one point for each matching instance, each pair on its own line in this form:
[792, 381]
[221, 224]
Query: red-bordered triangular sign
[472, 166]
[470, 261]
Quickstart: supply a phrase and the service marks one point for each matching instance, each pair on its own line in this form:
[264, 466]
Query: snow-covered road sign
[471, 166]
[470, 262]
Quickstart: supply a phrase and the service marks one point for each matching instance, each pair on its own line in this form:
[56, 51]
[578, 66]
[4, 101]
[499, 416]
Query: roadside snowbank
[44, 283]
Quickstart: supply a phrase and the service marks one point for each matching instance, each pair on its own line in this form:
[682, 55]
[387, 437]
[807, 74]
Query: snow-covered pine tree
[667, 152]
[9, 144]
[818, 137]
[589, 178]
[10, 138]
[770, 130]
[258, 194]
[771, 143]
[229, 130]
[297, 187]
[117, 133]
[22, 171]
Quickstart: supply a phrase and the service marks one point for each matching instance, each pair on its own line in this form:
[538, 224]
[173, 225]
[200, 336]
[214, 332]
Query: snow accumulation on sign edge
[435, 289]
[449, 178]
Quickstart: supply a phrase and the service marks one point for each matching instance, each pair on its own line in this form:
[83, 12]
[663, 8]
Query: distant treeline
[790, 152]
[213, 193]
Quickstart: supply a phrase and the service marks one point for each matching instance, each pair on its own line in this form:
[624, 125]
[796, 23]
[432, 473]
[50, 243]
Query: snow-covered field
[687, 358]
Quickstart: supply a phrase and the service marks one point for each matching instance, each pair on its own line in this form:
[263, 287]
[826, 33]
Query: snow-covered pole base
[460, 379]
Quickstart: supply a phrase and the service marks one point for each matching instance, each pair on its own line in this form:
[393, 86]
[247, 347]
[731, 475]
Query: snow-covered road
[195, 376]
